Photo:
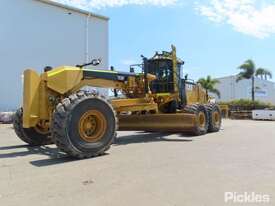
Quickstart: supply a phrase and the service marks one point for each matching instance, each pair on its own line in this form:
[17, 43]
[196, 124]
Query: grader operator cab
[84, 124]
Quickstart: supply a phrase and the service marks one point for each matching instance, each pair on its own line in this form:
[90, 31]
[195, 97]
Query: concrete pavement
[143, 169]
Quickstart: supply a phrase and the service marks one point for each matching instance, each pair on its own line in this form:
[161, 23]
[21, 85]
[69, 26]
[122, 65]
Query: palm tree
[209, 85]
[263, 73]
[249, 71]
[260, 73]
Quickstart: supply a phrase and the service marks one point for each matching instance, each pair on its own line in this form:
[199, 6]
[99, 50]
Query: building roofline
[232, 76]
[71, 8]
[224, 77]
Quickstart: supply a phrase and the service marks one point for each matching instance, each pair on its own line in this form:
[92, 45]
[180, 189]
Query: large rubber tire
[29, 135]
[198, 110]
[215, 117]
[66, 120]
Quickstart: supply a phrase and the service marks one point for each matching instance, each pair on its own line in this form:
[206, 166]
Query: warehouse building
[39, 33]
[230, 89]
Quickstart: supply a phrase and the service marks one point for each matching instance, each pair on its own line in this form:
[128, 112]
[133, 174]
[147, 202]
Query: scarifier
[84, 124]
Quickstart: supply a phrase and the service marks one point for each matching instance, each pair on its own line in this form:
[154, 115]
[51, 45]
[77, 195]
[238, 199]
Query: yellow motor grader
[84, 124]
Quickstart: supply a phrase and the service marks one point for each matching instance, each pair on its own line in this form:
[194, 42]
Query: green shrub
[246, 104]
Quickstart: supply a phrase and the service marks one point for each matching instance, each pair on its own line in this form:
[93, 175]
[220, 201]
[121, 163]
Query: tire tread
[59, 128]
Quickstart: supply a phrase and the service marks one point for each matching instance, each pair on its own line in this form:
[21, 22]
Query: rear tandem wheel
[202, 120]
[215, 117]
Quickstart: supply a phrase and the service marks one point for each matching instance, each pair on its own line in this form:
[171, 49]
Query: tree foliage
[209, 84]
[249, 71]
[263, 73]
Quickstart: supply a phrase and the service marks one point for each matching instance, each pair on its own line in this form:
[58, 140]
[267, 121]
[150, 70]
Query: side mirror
[132, 70]
[96, 62]
[47, 69]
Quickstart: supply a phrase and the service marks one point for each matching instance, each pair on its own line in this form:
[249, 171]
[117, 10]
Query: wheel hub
[42, 128]
[201, 120]
[92, 126]
[216, 118]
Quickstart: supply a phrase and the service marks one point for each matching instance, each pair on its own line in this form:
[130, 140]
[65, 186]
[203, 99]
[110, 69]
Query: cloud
[99, 4]
[252, 17]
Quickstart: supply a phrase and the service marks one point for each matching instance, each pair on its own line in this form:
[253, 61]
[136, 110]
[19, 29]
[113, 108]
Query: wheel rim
[92, 126]
[202, 120]
[42, 128]
[216, 118]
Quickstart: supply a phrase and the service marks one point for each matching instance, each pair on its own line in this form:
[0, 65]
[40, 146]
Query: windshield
[163, 70]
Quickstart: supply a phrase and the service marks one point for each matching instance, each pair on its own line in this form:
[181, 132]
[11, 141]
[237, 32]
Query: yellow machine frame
[84, 124]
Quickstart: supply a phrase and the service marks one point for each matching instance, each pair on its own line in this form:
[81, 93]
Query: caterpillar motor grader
[84, 124]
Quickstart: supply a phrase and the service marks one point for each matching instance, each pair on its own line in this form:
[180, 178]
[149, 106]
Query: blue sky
[213, 37]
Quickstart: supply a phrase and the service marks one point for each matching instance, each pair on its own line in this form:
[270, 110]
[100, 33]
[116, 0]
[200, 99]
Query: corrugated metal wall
[34, 34]
[232, 90]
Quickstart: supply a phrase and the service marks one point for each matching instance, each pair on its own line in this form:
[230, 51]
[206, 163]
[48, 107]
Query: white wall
[232, 90]
[35, 34]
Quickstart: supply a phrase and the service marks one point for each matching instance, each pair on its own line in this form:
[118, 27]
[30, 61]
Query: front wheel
[35, 136]
[84, 125]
